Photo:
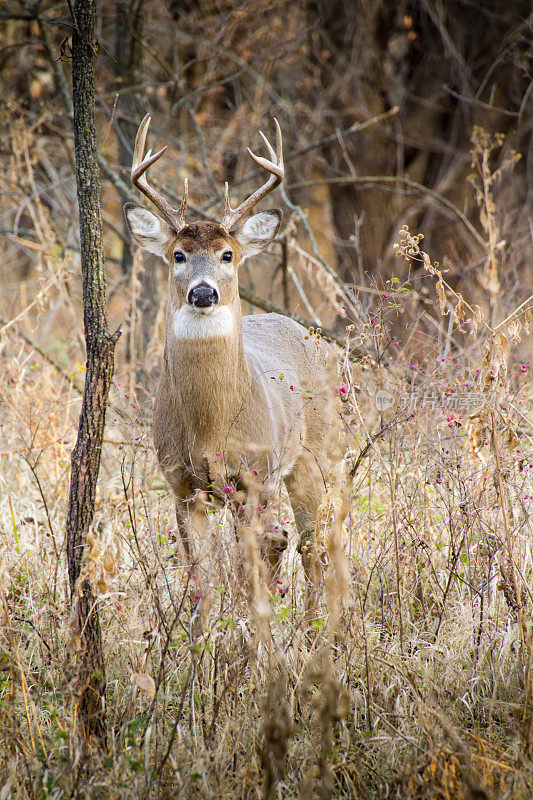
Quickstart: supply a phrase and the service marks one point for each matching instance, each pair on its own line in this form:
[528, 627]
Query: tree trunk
[89, 693]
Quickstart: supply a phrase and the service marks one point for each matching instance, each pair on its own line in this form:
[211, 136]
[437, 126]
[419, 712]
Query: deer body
[211, 390]
[238, 396]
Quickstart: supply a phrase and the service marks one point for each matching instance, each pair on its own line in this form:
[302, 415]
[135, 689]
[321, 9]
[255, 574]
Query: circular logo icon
[384, 400]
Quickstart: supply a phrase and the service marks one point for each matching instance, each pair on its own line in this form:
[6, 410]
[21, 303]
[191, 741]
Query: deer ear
[258, 231]
[148, 229]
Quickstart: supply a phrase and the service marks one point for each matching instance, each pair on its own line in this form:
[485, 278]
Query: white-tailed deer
[238, 396]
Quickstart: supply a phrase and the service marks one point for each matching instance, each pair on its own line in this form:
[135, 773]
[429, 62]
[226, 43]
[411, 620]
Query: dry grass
[418, 687]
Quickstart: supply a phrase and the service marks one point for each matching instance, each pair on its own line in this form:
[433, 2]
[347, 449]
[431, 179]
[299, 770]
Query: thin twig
[366, 449]
[344, 287]
[373, 181]
[302, 151]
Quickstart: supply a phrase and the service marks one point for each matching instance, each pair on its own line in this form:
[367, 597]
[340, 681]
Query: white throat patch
[190, 323]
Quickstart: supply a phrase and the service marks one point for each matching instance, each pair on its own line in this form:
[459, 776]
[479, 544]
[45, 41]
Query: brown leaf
[74, 645]
[143, 682]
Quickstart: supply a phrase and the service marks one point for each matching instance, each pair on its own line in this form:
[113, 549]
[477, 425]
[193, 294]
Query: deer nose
[202, 296]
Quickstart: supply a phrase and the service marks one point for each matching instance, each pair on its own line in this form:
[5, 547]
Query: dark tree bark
[85, 464]
[128, 66]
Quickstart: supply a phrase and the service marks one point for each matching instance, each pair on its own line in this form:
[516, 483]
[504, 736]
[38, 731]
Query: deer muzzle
[203, 295]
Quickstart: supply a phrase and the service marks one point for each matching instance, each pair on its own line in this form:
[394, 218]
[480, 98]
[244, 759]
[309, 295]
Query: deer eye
[227, 256]
[179, 257]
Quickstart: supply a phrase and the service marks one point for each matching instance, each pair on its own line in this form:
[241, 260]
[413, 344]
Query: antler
[274, 166]
[140, 165]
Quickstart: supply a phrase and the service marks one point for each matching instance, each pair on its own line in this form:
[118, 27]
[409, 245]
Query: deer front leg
[192, 525]
[192, 522]
[273, 543]
[255, 513]
[274, 549]
[305, 486]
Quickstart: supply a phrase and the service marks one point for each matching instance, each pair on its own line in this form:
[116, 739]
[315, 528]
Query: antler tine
[274, 165]
[140, 142]
[269, 147]
[140, 165]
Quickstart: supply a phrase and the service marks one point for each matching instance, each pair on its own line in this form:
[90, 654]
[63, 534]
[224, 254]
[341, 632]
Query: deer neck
[208, 371]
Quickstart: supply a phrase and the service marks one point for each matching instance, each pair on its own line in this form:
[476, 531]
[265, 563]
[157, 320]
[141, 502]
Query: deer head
[203, 257]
